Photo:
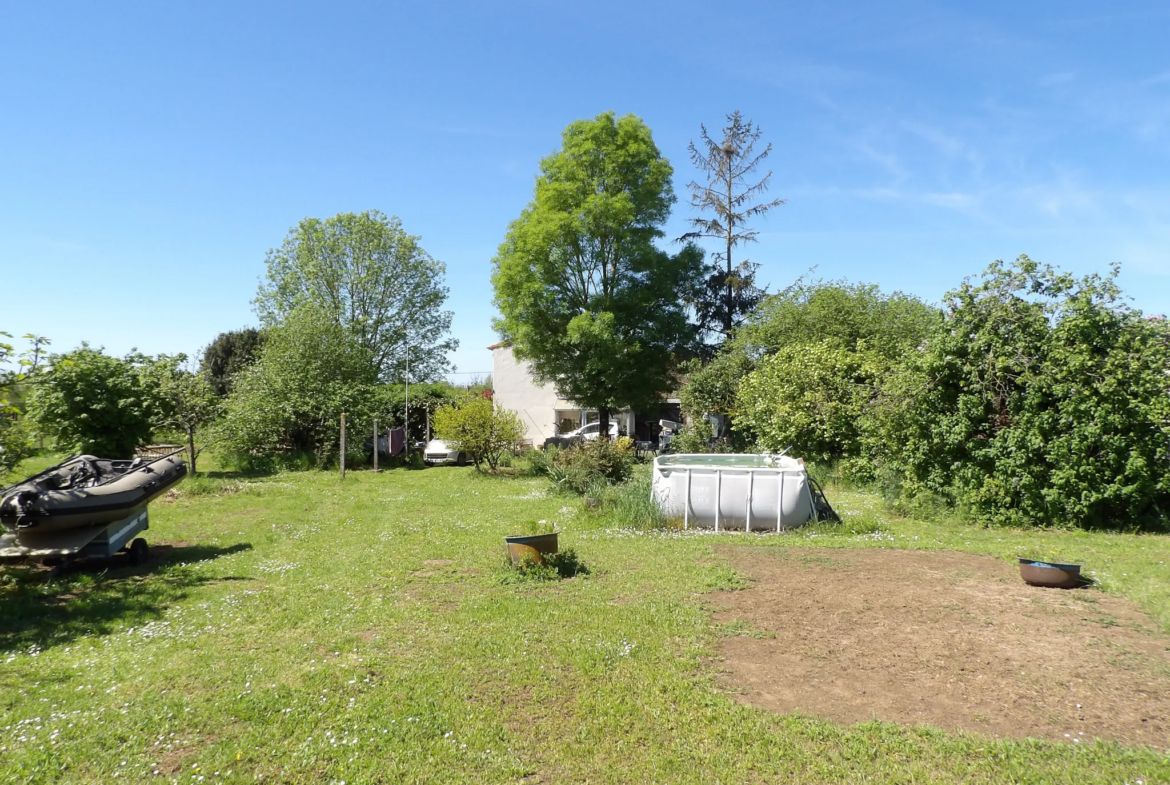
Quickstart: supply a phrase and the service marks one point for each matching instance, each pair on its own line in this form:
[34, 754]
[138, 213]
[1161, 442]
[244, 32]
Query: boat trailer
[64, 546]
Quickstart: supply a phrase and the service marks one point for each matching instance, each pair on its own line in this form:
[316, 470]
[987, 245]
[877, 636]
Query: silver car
[437, 451]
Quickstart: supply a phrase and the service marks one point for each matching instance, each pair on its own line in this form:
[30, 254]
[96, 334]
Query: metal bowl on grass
[1050, 574]
[534, 546]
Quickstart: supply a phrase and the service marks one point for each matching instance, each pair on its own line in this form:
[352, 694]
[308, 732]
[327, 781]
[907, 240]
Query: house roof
[498, 345]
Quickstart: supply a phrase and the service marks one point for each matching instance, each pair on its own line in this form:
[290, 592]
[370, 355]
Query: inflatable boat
[87, 491]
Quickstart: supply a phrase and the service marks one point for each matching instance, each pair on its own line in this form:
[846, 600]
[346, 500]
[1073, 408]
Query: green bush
[584, 468]
[16, 442]
[289, 402]
[479, 429]
[699, 437]
[630, 504]
[599, 461]
[94, 403]
[562, 564]
[810, 397]
[1042, 399]
[835, 331]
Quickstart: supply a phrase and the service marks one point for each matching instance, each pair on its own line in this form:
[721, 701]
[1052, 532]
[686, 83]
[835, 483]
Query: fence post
[343, 446]
[375, 445]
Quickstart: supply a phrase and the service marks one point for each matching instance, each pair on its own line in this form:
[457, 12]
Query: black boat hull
[41, 504]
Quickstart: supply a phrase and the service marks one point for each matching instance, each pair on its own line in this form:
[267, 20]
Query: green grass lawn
[297, 628]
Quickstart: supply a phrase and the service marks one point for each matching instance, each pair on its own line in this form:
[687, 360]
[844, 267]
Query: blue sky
[151, 153]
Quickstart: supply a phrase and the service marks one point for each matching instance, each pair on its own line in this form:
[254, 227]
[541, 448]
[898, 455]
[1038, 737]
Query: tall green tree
[372, 278]
[730, 196]
[584, 292]
[290, 401]
[228, 354]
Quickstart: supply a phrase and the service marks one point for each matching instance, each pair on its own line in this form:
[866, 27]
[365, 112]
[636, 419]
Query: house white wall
[537, 405]
[514, 389]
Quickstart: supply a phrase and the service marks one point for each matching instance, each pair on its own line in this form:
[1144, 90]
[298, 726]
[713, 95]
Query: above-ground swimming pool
[750, 492]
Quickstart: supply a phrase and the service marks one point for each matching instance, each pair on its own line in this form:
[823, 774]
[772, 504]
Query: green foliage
[630, 505]
[368, 275]
[424, 399]
[228, 354]
[712, 387]
[556, 566]
[16, 441]
[95, 403]
[698, 436]
[15, 433]
[479, 429]
[847, 314]
[584, 468]
[291, 400]
[1042, 399]
[584, 293]
[858, 318]
[185, 400]
[810, 397]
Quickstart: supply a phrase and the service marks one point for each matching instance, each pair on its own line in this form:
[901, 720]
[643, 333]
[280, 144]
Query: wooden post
[343, 446]
[191, 447]
[375, 445]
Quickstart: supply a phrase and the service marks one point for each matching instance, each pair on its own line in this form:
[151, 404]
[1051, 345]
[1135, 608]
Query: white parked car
[590, 432]
[437, 451]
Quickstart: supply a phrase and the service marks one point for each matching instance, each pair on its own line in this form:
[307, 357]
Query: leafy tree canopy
[95, 403]
[370, 277]
[16, 372]
[310, 371]
[584, 293]
[853, 317]
[228, 354]
[185, 400]
[1042, 398]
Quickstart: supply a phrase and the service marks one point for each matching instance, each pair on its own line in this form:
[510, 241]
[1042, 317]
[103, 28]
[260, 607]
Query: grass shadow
[40, 608]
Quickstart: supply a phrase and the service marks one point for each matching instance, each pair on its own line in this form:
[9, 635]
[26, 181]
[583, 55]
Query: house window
[568, 420]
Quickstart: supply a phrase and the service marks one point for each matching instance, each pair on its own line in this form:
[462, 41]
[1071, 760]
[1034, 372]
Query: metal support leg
[780, 503]
[751, 486]
[718, 494]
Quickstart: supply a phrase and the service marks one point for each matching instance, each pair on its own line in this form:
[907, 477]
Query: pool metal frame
[779, 471]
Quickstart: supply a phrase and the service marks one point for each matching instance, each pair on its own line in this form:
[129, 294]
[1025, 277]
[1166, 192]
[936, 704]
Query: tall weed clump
[585, 468]
[631, 505]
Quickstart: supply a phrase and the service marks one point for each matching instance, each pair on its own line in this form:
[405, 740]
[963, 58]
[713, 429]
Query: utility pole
[375, 445]
[343, 446]
[406, 416]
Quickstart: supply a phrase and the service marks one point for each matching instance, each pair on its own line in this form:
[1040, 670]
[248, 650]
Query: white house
[543, 413]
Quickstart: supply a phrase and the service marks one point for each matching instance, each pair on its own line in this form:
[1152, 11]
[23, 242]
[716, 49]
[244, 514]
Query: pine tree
[730, 291]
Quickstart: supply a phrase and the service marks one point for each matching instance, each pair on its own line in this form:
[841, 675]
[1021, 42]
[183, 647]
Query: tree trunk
[603, 423]
[191, 447]
[728, 316]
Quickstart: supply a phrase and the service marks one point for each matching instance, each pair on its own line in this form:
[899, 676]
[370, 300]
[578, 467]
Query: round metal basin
[1050, 574]
[533, 546]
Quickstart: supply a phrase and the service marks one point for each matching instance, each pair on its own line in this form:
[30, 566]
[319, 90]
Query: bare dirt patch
[952, 640]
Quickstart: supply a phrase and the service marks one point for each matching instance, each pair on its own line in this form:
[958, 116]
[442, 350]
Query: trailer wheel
[139, 552]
